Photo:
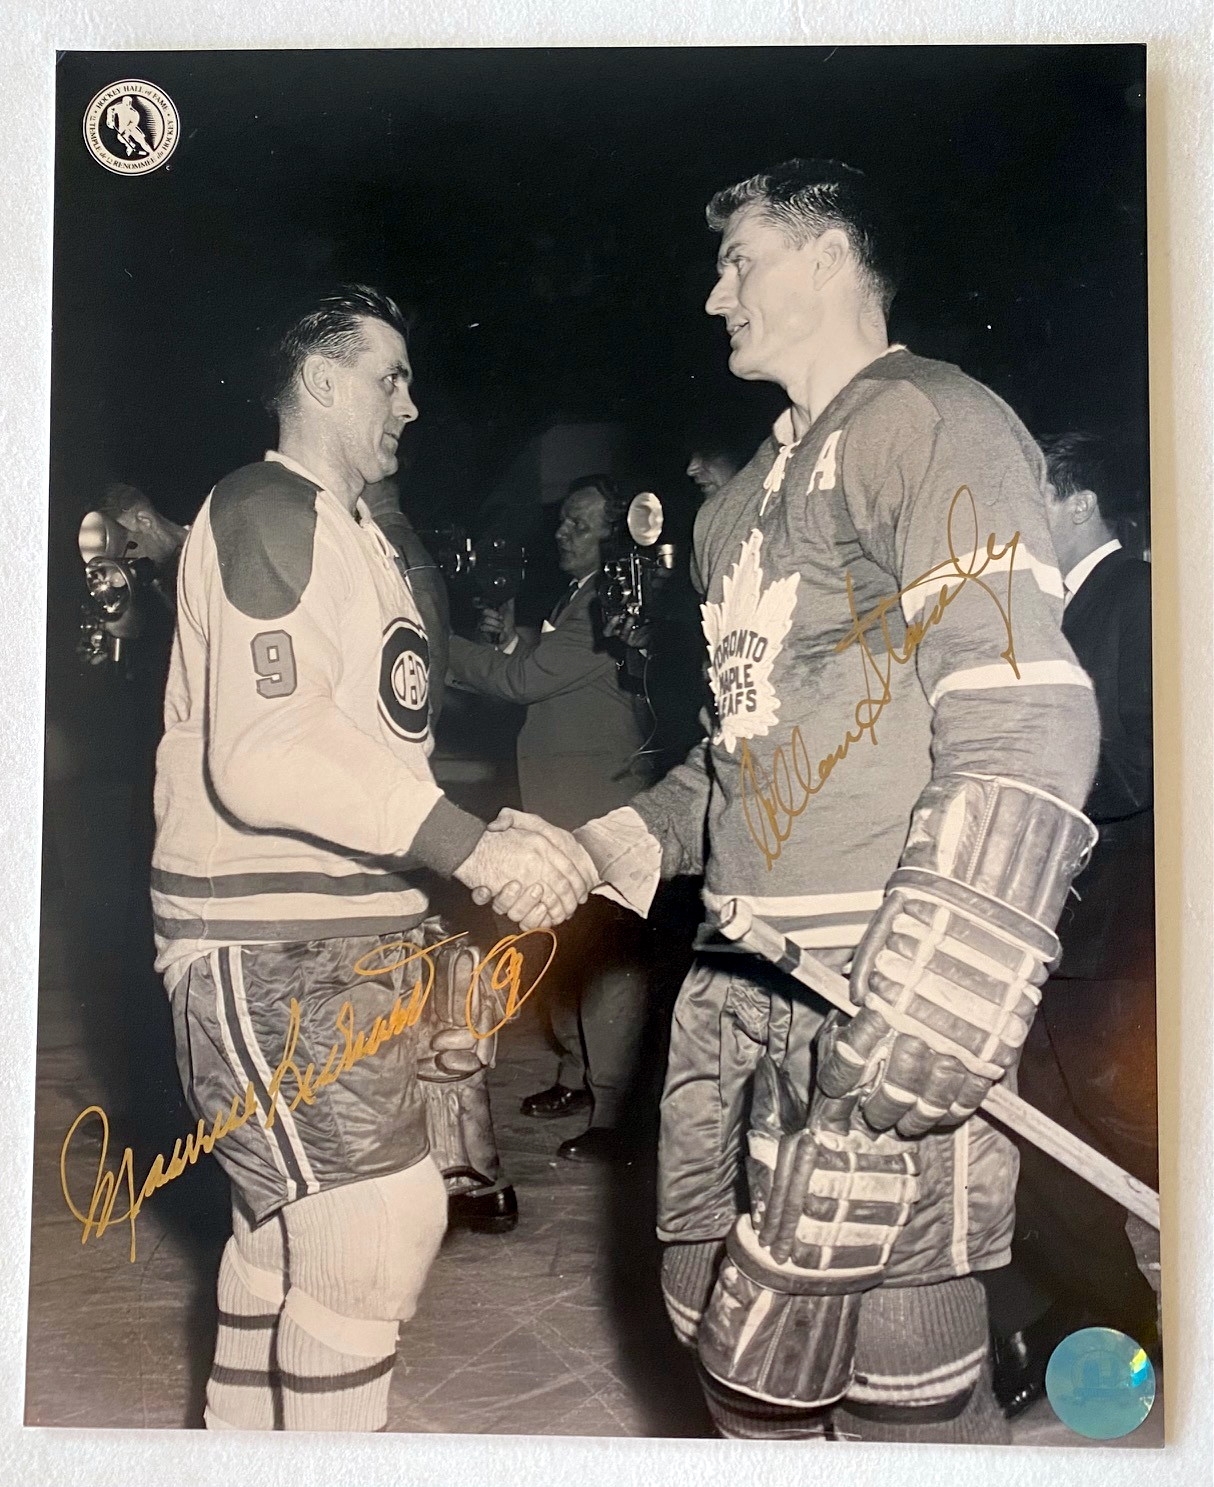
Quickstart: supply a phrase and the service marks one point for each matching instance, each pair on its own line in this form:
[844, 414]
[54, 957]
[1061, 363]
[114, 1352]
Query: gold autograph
[505, 965]
[772, 799]
[506, 976]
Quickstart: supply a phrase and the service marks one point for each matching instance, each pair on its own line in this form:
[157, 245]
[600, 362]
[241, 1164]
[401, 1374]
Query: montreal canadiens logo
[131, 127]
[404, 681]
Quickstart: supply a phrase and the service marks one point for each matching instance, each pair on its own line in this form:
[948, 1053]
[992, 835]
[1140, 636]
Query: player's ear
[1084, 506]
[831, 251]
[316, 374]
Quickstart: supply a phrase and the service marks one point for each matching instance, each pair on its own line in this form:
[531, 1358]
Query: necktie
[563, 603]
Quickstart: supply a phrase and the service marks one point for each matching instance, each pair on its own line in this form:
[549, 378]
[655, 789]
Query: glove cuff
[772, 1342]
[755, 1262]
[1013, 844]
[627, 856]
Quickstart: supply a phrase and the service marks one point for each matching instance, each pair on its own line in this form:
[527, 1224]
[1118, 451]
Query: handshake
[533, 872]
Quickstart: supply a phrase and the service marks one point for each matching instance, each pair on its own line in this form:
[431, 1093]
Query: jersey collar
[285, 459]
[361, 509]
[782, 428]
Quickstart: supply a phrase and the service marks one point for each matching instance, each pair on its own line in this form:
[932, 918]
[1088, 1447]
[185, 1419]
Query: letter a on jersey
[745, 634]
[825, 471]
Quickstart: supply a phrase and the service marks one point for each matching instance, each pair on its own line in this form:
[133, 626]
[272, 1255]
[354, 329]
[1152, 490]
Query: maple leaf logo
[745, 634]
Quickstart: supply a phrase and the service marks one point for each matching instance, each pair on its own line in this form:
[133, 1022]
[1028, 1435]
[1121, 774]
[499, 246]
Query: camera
[110, 615]
[488, 572]
[636, 569]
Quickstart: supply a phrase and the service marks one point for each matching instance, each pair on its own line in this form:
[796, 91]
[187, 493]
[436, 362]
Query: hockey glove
[947, 975]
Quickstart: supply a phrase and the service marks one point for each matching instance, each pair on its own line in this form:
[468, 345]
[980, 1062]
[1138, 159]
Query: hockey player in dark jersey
[902, 741]
[295, 805]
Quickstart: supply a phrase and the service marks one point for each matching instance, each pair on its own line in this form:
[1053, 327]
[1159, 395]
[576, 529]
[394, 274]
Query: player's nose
[720, 300]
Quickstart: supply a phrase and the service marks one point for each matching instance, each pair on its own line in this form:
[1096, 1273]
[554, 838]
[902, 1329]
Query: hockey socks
[358, 1257]
[242, 1391]
[336, 1370]
[689, 1272]
[922, 1372]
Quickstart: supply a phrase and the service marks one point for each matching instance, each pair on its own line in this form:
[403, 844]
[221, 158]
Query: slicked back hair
[1077, 461]
[328, 326]
[803, 198]
[615, 498]
[735, 444]
[118, 499]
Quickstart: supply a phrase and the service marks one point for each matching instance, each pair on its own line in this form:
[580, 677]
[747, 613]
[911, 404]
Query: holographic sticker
[1100, 1383]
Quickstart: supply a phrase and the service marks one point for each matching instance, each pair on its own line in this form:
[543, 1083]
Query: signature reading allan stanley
[774, 797]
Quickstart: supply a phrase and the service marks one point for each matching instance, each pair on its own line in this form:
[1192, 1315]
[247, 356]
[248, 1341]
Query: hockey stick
[737, 923]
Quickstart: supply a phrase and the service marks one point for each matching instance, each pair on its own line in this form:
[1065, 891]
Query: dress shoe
[552, 1103]
[598, 1144]
[483, 1213]
[1020, 1360]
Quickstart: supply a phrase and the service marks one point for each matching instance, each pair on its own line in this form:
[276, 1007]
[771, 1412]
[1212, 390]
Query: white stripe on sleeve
[1047, 576]
[1032, 674]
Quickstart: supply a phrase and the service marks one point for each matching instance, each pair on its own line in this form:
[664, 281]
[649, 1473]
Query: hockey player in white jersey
[295, 805]
[902, 737]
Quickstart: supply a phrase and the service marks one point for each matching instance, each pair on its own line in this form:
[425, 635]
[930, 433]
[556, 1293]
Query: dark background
[543, 211]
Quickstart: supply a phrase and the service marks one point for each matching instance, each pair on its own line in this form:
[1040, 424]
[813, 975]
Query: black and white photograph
[598, 830]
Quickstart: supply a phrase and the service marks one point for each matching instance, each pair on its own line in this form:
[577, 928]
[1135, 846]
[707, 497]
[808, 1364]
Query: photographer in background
[154, 539]
[721, 439]
[712, 465]
[130, 551]
[105, 718]
[579, 755]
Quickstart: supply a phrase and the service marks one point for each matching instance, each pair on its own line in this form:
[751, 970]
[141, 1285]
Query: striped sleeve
[949, 497]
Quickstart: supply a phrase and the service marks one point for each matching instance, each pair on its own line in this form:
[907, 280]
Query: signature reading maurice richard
[773, 798]
[505, 965]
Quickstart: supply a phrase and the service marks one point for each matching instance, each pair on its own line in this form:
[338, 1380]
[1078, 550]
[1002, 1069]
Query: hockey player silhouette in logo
[125, 120]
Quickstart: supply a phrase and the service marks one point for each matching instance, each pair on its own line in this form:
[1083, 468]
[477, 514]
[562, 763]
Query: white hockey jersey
[294, 797]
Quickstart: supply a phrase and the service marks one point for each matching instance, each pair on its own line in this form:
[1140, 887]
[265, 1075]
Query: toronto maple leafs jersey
[882, 603]
[294, 797]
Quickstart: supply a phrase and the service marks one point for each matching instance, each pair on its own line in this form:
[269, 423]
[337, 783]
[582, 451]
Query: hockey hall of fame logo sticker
[1100, 1383]
[131, 127]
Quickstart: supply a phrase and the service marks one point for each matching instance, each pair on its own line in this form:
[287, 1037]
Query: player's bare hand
[556, 870]
[564, 841]
[511, 901]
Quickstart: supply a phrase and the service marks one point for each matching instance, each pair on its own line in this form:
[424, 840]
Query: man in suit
[579, 756]
[1089, 1061]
